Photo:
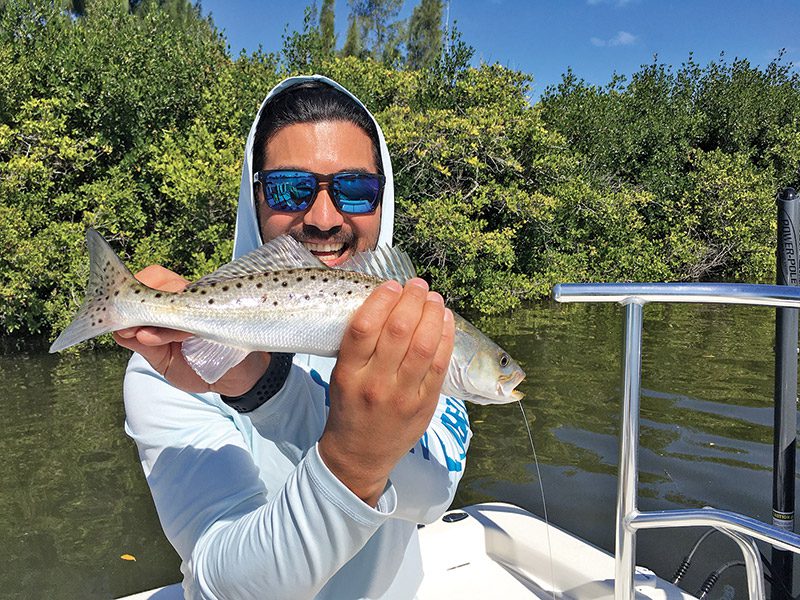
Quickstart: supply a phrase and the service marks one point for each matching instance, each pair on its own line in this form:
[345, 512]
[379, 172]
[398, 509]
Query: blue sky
[545, 37]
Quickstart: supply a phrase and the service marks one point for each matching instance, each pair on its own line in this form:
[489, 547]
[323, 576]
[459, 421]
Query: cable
[684, 566]
[711, 580]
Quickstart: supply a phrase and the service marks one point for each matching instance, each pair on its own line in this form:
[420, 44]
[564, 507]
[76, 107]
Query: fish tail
[97, 315]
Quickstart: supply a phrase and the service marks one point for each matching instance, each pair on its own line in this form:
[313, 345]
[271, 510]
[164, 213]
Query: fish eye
[504, 360]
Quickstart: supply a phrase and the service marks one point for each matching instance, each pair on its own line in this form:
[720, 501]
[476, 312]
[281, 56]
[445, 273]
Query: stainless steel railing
[742, 529]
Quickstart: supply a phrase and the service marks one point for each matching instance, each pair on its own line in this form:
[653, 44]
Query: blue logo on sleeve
[324, 384]
[454, 418]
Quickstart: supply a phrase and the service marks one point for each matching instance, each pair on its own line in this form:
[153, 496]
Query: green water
[74, 500]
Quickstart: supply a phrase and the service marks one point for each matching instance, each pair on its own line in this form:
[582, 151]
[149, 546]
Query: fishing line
[544, 503]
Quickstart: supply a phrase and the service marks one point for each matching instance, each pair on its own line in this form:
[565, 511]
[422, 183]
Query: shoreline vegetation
[130, 117]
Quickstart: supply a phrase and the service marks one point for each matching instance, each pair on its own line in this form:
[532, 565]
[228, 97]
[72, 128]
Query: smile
[323, 248]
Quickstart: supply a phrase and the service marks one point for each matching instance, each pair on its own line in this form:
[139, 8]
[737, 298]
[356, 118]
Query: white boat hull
[502, 551]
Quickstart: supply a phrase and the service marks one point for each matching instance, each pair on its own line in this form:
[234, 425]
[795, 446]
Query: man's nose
[322, 213]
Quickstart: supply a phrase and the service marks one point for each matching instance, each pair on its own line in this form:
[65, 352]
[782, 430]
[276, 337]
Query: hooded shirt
[246, 499]
[248, 236]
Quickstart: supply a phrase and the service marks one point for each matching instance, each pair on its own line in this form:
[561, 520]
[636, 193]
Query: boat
[498, 550]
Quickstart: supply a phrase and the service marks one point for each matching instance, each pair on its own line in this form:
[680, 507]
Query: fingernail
[392, 286]
[435, 297]
[417, 282]
[448, 315]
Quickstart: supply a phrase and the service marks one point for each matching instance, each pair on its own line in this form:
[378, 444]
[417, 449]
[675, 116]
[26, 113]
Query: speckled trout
[278, 298]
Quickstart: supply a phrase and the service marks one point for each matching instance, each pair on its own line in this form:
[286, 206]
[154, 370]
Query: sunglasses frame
[326, 179]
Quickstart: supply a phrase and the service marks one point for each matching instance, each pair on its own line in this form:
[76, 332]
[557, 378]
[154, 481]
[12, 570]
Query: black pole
[785, 431]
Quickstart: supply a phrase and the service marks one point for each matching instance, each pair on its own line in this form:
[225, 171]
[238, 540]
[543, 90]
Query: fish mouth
[507, 383]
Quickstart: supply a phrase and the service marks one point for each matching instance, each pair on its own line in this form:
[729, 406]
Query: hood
[248, 236]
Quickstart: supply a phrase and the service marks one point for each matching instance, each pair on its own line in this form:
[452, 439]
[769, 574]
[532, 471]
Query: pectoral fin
[209, 359]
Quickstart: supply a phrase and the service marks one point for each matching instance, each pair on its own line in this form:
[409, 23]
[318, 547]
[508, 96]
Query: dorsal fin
[383, 262]
[283, 252]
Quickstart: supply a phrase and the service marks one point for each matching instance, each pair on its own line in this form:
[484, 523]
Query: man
[305, 481]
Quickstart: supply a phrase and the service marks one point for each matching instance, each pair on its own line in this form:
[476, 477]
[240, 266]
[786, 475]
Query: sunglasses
[293, 191]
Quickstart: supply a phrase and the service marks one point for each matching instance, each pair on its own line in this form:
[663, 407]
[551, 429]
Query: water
[74, 500]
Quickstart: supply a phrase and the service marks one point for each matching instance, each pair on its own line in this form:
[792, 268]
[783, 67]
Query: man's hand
[386, 383]
[161, 347]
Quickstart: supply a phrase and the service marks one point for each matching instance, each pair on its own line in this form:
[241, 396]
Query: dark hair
[310, 102]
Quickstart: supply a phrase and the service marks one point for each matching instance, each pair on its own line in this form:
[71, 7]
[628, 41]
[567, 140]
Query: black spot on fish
[100, 320]
[250, 278]
[274, 280]
[137, 291]
[171, 300]
[306, 297]
[193, 290]
[313, 277]
[225, 288]
[142, 300]
[203, 292]
[259, 285]
[290, 272]
[324, 280]
[349, 292]
[299, 279]
[158, 295]
[238, 284]
[211, 301]
[275, 303]
[92, 323]
[213, 284]
[366, 287]
[284, 283]
[335, 293]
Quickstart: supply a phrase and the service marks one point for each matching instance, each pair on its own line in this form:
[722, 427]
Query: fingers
[424, 344]
[158, 336]
[365, 327]
[127, 341]
[139, 339]
[150, 336]
[434, 377]
[155, 344]
[401, 325]
[400, 331]
[158, 356]
[160, 278]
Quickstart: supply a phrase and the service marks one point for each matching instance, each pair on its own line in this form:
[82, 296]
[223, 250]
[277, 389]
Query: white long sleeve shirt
[252, 509]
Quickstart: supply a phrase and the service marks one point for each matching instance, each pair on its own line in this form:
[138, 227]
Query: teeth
[323, 248]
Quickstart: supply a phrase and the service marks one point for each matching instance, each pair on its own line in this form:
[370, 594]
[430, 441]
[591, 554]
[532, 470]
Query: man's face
[326, 147]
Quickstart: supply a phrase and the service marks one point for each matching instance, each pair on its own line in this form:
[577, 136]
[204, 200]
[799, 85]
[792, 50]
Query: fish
[277, 298]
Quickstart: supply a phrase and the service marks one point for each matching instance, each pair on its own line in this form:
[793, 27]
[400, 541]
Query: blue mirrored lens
[291, 191]
[356, 193]
[294, 191]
